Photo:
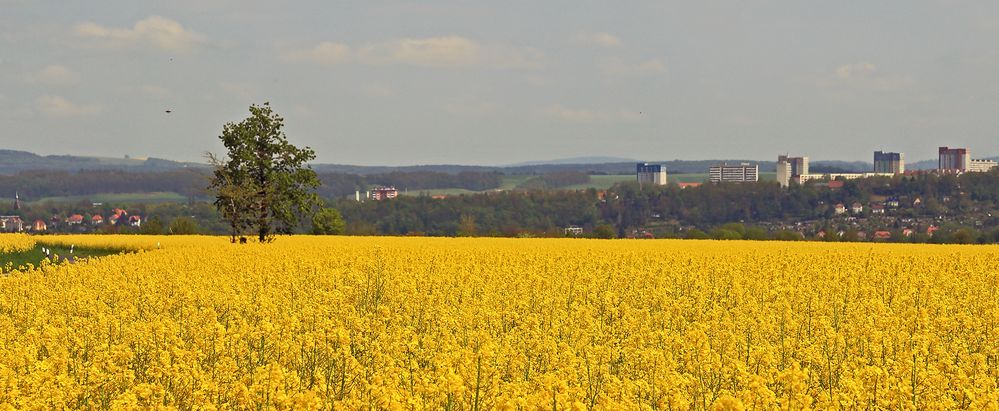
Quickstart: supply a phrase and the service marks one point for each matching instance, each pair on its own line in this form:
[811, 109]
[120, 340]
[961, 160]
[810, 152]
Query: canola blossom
[16, 243]
[513, 324]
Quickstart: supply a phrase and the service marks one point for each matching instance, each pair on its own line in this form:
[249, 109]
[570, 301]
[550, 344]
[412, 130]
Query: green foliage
[184, 225]
[695, 234]
[328, 221]
[787, 235]
[755, 233]
[265, 183]
[466, 226]
[605, 231]
[152, 226]
[964, 236]
[724, 234]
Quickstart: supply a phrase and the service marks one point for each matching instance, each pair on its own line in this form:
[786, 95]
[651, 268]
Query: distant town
[792, 198]
[795, 169]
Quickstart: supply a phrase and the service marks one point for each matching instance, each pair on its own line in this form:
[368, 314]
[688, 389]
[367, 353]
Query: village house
[135, 221]
[840, 209]
[857, 208]
[97, 219]
[877, 209]
[882, 235]
[11, 224]
[74, 219]
[39, 225]
[384, 193]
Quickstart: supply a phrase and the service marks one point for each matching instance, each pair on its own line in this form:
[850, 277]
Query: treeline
[192, 183]
[540, 213]
[554, 180]
[338, 185]
[716, 204]
[960, 207]
[49, 183]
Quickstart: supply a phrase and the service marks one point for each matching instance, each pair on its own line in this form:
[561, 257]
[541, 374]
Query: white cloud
[469, 107]
[856, 70]
[154, 91]
[238, 89]
[57, 106]
[599, 38]
[55, 74]
[621, 68]
[578, 115]
[436, 52]
[429, 52]
[378, 90]
[326, 52]
[154, 31]
[864, 76]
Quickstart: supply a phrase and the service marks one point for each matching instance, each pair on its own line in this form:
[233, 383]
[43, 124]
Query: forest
[965, 205]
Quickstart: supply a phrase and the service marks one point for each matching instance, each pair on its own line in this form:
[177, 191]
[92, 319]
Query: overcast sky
[398, 83]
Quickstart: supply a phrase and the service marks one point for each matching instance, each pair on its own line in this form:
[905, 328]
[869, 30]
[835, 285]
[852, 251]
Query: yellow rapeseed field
[476, 324]
[16, 243]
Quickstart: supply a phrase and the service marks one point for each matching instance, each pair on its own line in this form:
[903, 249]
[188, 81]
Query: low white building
[981, 166]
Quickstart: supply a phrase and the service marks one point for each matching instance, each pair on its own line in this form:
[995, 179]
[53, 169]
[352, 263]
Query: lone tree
[264, 183]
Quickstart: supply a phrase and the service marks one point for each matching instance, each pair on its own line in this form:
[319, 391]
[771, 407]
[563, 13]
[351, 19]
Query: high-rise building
[784, 173]
[724, 173]
[790, 167]
[885, 162]
[651, 174]
[953, 160]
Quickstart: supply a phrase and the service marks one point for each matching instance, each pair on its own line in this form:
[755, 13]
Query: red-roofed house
[857, 208]
[877, 209]
[931, 229]
[907, 232]
[835, 184]
[882, 235]
[135, 221]
[384, 193]
[74, 219]
[97, 219]
[840, 208]
[39, 225]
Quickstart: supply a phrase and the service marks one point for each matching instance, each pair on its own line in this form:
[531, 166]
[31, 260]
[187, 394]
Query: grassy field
[36, 255]
[154, 197]
[599, 182]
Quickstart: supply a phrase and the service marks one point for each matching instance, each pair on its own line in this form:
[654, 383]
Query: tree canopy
[264, 184]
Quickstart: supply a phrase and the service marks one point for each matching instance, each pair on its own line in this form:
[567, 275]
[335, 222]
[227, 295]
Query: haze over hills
[576, 160]
[13, 161]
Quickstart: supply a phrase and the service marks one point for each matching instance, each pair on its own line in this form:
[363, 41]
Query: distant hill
[672, 166]
[12, 161]
[576, 160]
[932, 164]
[836, 166]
